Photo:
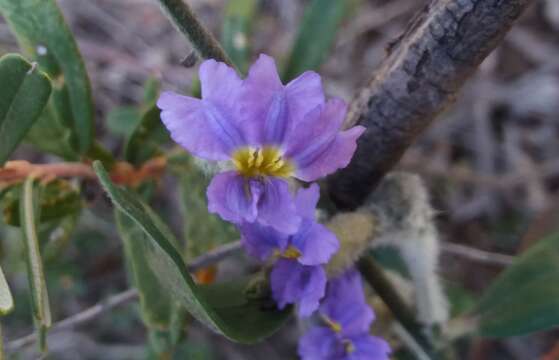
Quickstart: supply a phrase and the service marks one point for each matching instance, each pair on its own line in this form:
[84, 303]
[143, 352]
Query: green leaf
[48, 134]
[239, 15]
[123, 120]
[36, 276]
[460, 299]
[25, 92]
[6, 299]
[316, 35]
[242, 319]
[42, 33]
[152, 87]
[525, 297]
[215, 232]
[179, 321]
[146, 139]
[155, 305]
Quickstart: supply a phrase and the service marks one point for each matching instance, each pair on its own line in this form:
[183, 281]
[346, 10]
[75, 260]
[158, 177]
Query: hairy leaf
[145, 141]
[42, 33]
[122, 120]
[6, 300]
[154, 300]
[25, 92]
[232, 314]
[317, 32]
[236, 29]
[200, 239]
[36, 276]
[525, 297]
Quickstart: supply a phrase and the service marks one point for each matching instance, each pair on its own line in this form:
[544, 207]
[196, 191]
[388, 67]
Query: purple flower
[321, 343]
[267, 131]
[347, 317]
[311, 244]
[345, 308]
[295, 283]
[297, 277]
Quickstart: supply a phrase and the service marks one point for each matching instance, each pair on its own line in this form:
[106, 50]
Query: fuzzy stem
[376, 277]
[186, 22]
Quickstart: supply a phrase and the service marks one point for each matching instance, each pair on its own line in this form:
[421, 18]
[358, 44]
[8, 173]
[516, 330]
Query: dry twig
[122, 172]
[476, 254]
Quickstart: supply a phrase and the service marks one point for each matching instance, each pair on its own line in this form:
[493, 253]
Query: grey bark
[421, 74]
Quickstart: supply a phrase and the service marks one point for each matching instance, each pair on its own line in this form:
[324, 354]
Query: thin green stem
[187, 23]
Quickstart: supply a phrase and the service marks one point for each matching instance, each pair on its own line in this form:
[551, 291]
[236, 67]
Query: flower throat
[266, 161]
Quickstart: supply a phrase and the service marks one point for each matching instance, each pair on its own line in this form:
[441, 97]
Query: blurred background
[490, 161]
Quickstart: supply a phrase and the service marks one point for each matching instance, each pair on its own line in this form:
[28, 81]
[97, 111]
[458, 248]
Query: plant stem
[187, 23]
[376, 277]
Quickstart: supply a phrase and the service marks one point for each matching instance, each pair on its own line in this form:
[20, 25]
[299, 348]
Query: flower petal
[220, 84]
[346, 305]
[293, 283]
[222, 87]
[315, 242]
[336, 156]
[259, 90]
[304, 93]
[276, 122]
[189, 121]
[276, 207]
[368, 347]
[319, 343]
[232, 198]
[306, 201]
[316, 130]
[276, 108]
[317, 147]
[261, 241]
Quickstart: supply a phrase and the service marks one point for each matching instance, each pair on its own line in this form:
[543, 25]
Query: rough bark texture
[424, 69]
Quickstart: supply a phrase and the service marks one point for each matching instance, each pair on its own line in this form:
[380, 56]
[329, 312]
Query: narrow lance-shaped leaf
[42, 33]
[224, 308]
[47, 128]
[6, 299]
[525, 297]
[146, 140]
[149, 134]
[154, 303]
[318, 30]
[236, 30]
[36, 276]
[25, 92]
[200, 239]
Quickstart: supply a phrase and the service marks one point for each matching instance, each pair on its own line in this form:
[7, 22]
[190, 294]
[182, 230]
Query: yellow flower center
[291, 253]
[267, 161]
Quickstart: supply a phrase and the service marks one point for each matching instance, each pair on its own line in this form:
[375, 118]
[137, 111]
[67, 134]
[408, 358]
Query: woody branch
[421, 75]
